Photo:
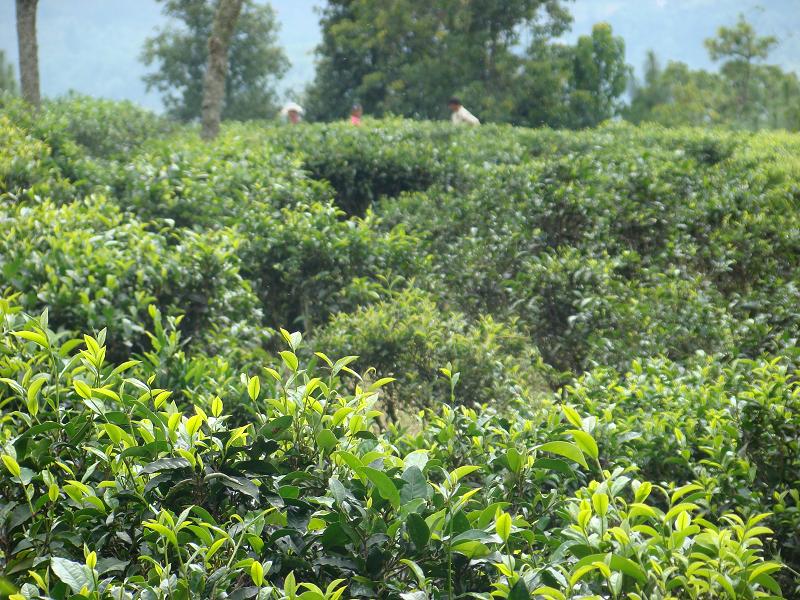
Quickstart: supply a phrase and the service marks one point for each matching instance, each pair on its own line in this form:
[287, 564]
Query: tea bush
[307, 263]
[405, 336]
[23, 162]
[297, 250]
[365, 164]
[113, 491]
[645, 235]
[72, 171]
[28, 170]
[201, 186]
[101, 129]
[585, 344]
[734, 429]
[94, 268]
[581, 311]
[107, 129]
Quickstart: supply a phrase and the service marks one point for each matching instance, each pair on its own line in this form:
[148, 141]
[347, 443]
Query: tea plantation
[401, 361]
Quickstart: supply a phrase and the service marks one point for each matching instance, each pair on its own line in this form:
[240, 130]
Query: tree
[740, 48]
[743, 94]
[255, 62]
[8, 83]
[694, 97]
[599, 77]
[28, 51]
[682, 96]
[542, 88]
[408, 56]
[648, 95]
[782, 98]
[214, 83]
[571, 86]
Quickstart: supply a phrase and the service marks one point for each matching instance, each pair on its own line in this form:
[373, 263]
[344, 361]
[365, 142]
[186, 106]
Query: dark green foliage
[408, 337]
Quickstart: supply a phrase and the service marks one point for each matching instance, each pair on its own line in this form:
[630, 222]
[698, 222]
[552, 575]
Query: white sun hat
[292, 107]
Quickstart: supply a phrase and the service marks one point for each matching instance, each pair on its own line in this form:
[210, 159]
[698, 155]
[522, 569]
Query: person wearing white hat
[293, 112]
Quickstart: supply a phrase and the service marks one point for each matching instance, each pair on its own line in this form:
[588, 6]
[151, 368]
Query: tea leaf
[418, 530]
[585, 442]
[386, 488]
[503, 526]
[75, 575]
[565, 449]
[32, 336]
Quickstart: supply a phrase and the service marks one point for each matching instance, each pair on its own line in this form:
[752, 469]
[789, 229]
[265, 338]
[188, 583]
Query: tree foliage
[542, 87]
[599, 77]
[744, 93]
[8, 80]
[180, 54]
[651, 92]
[570, 86]
[407, 57]
[740, 48]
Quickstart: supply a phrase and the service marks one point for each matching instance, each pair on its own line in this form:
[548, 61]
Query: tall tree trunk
[217, 70]
[28, 51]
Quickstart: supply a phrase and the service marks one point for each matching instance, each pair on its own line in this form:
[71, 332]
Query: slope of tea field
[402, 361]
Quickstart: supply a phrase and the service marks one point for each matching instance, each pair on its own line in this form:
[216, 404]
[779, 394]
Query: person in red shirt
[355, 114]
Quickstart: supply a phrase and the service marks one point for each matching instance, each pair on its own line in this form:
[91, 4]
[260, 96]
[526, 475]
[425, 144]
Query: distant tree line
[405, 57]
[408, 56]
[744, 93]
[219, 59]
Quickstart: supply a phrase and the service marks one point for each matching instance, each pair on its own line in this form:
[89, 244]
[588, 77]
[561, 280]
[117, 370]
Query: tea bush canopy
[402, 361]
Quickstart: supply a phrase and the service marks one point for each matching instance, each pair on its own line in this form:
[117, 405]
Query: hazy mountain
[93, 46]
